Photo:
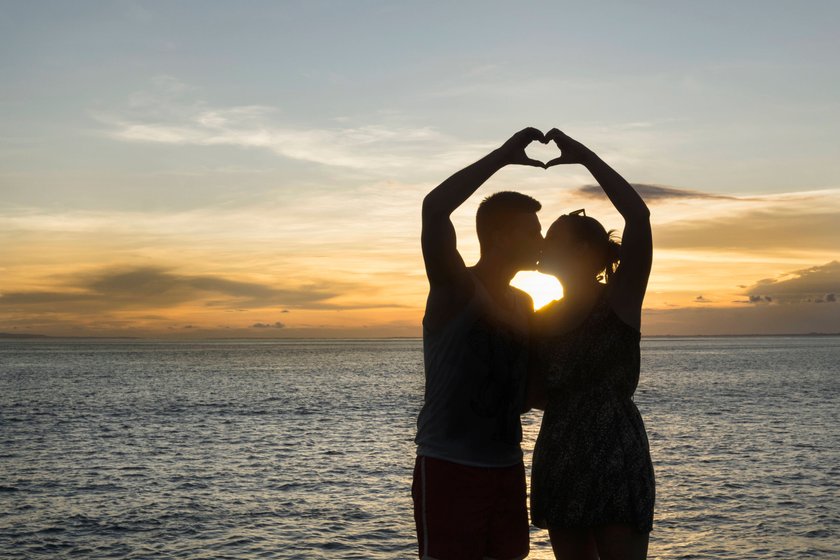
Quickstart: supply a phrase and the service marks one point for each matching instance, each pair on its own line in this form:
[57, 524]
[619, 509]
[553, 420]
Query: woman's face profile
[559, 251]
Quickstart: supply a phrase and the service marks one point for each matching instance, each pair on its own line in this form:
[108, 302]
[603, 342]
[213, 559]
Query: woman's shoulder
[625, 298]
[626, 312]
[547, 315]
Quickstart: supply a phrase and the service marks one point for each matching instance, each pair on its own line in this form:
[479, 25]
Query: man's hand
[571, 151]
[512, 152]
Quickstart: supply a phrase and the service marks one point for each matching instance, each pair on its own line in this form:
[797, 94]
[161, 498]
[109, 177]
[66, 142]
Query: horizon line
[31, 336]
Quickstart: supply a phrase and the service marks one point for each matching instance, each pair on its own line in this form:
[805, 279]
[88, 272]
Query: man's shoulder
[445, 301]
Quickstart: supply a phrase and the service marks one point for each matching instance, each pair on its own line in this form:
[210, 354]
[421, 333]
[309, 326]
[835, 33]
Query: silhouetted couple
[488, 357]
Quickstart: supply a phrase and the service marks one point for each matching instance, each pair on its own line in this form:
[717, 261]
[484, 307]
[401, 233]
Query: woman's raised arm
[630, 281]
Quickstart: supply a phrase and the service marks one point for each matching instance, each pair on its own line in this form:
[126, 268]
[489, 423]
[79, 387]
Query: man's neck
[494, 275]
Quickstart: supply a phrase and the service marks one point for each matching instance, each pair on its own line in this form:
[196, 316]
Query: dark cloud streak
[655, 193]
[815, 285]
[155, 287]
[275, 325]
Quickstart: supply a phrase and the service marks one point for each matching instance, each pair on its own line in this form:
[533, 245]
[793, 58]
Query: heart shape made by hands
[542, 152]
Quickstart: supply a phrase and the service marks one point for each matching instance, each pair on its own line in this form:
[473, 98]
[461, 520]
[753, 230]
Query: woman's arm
[630, 281]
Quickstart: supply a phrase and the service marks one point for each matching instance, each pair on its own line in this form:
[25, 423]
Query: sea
[303, 449]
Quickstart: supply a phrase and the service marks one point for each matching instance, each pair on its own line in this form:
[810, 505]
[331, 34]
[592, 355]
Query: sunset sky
[205, 168]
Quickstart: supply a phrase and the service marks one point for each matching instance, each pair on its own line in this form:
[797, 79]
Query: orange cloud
[817, 284]
[351, 260]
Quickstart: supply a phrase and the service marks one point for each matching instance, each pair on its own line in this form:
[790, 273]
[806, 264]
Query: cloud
[701, 299]
[759, 229]
[156, 287]
[165, 117]
[802, 318]
[364, 147]
[755, 300]
[655, 193]
[816, 284]
[688, 220]
[275, 325]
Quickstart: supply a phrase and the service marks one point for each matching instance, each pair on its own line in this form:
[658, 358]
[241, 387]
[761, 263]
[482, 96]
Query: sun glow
[541, 287]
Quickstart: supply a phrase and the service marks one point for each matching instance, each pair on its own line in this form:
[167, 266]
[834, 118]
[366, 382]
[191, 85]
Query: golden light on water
[541, 287]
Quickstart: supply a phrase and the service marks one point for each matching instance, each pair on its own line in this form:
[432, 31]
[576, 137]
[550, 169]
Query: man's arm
[445, 268]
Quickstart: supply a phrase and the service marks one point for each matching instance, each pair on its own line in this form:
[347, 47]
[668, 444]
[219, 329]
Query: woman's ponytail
[612, 255]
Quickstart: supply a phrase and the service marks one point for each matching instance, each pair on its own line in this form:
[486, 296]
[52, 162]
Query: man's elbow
[432, 208]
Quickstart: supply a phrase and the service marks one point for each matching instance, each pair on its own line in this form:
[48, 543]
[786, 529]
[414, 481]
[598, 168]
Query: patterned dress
[591, 463]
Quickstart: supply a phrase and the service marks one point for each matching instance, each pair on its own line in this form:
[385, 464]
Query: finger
[561, 139]
[532, 162]
[558, 161]
[553, 134]
[532, 134]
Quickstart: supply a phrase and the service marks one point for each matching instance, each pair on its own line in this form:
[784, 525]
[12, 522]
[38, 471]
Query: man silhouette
[469, 481]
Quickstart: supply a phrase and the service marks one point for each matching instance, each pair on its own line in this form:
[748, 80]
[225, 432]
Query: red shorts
[469, 513]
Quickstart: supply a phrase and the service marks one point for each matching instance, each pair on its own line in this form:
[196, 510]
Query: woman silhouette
[592, 483]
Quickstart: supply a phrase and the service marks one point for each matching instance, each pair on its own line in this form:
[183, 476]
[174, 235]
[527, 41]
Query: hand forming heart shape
[513, 151]
[571, 151]
[543, 153]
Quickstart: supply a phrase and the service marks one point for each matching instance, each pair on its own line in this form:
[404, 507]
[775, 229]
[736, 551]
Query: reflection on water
[304, 449]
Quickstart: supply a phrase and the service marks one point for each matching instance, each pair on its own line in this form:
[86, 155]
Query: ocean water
[303, 449]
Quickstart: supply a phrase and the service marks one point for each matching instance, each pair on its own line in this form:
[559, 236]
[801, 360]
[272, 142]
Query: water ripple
[246, 449]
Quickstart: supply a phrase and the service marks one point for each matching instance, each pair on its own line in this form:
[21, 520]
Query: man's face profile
[524, 240]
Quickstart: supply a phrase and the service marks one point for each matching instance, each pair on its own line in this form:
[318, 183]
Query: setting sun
[541, 287]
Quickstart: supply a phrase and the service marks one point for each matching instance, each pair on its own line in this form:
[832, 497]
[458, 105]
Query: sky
[220, 169]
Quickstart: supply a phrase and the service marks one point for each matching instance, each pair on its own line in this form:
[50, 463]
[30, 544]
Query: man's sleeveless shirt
[475, 384]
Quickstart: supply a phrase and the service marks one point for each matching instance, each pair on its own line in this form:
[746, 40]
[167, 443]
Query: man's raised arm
[444, 265]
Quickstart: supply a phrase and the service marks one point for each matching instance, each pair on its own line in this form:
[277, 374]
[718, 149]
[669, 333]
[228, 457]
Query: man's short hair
[495, 211]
